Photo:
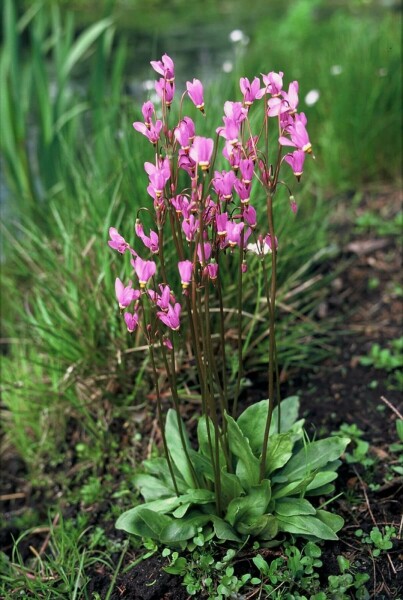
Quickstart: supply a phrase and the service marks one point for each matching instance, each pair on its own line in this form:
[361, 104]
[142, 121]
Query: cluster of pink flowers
[213, 212]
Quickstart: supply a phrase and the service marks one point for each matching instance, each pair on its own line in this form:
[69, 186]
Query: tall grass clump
[350, 58]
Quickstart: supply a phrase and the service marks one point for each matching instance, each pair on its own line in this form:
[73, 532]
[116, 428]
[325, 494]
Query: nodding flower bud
[293, 204]
[244, 266]
[185, 271]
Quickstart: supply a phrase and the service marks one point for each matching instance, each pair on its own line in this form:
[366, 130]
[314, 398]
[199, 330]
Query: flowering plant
[250, 475]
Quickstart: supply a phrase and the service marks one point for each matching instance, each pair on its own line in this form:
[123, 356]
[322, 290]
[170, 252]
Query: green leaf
[288, 507]
[251, 506]
[314, 456]
[143, 522]
[178, 449]
[247, 468]
[224, 531]
[83, 42]
[203, 439]
[321, 479]
[306, 525]
[292, 488]
[279, 451]
[335, 522]
[271, 529]
[399, 429]
[230, 487]
[178, 530]
[254, 526]
[151, 488]
[252, 421]
[289, 409]
[159, 467]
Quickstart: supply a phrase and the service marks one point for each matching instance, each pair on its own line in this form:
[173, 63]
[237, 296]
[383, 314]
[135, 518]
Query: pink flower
[171, 318]
[147, 111]
[125, 295]
[233, 154]
[151, 131]
[221, 223]
[243, 191]
[185, 132]
[230, 131]
[288, 102]
[249, 214]
[299, 135]
[206, 251]
[190, 227]
[162, 300]
[212, 269]
[164, 67]
[235, 111]
[296, 161]
[158, 176]
[186, 163]
[246, 166]
[234, 231]
[151, 242]
[273, 82]
[117, 242]
[145, 269]
[201, 151]
[131, 321]
[185, 271]
[165, 90]
[251, 91]
[195, 92]
[223, 183]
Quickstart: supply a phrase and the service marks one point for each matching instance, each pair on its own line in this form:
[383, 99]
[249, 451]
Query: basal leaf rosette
[297, 470]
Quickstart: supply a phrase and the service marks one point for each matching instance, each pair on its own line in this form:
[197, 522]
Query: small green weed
[389, 360]
[380, 541]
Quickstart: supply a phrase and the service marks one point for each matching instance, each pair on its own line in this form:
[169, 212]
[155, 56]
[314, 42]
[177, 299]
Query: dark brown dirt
[339, 391]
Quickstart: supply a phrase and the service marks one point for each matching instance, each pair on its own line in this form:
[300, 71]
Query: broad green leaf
[288, 507]
[271, 529]
[289, 409]
[333, 521]
[251, 506]
[177, 448]
[230, 487]
[203, 439]
[143, 522]
[253, 526]
[199, 496]
[306, 525]
[322, 478]
[159, 467]
[151, 488]
[252, 421]
[181, 510]
[183, 529]
[224, 531]
[279, 451]
[292, 488]
[324, 490]
[247, 468]
[314, 456]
